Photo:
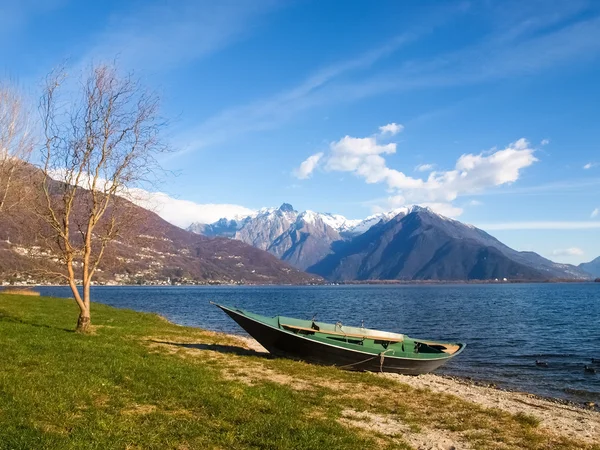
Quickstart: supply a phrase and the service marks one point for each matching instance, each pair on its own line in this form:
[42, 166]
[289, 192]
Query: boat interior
[358, 335]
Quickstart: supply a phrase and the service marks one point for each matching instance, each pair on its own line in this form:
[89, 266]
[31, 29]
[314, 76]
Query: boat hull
[282, 343]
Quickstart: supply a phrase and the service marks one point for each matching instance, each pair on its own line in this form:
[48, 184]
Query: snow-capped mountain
[406, 243]
[307, 241]
[420, 244]
[356, 227]
[347, 227]
[265, 227]
[301, 238]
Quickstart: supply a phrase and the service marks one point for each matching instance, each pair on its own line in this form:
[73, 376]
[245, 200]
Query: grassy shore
[141, 382]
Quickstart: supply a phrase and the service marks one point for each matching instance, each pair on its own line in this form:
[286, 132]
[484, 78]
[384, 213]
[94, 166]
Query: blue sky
[499, 99]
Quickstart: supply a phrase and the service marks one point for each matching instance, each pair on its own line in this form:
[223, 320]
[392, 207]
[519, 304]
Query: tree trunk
[84, 322]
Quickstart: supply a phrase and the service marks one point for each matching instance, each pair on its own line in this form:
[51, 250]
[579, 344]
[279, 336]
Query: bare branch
[96, 147]
[16, 144]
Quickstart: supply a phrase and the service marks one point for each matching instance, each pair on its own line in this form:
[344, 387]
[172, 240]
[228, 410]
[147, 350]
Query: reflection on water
[507, 326]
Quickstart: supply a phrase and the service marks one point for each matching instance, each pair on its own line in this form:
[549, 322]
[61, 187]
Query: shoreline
[332, 283]
[561, 416]
[482, 383]
[252, 344]
[564, 417]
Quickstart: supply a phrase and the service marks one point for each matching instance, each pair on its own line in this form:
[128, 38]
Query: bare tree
[97, 146]
[16, 144]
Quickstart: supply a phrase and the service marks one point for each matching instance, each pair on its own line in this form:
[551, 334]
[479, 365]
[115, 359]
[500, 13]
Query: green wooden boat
[352, 348]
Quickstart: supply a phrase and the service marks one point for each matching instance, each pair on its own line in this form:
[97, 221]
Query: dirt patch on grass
[205, 348]
[53, 429]
[426, 439]
[139, 410]
[374, 422]
[181, 413]
[233, 368]
[101, 401]
[250, 344]
[251, 374]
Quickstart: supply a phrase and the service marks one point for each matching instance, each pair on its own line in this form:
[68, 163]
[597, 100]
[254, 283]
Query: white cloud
[589, 165]
[595, 213]
[545, 142]
[361, 156]
[540, 225]
[179, 212]
[184, 212]
[475, 203]
[424, 167]
[308, 166]
[572, 251]
[473, 173]
[391, 129]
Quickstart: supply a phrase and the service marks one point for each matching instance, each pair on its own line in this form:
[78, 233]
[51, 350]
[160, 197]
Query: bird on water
[541, 363]
[589, 369]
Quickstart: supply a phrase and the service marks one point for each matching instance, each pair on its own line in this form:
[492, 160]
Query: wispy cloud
[572, 251]
[545, 142]
[14, 15]
[474, 203]
[493, 59]
[424, 167]
[540, 225]
[159, 36]
[538, 41]
[267, 113]
[546, 188]
[590, 165]
[595, 213]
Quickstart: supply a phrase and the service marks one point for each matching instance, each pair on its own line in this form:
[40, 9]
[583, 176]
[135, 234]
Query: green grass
[120, 387]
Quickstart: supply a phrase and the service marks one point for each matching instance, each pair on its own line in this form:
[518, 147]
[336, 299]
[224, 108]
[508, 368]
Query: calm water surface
[506, 326]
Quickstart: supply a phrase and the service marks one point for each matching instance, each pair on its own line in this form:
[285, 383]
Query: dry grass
[20, 291]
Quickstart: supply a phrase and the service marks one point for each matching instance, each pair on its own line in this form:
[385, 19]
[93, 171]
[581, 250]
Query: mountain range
[411, 243]
[300, 238]
[272, 246]
[279, 246]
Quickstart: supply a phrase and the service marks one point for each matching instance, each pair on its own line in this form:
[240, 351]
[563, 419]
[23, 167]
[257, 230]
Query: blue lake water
[507, 327]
